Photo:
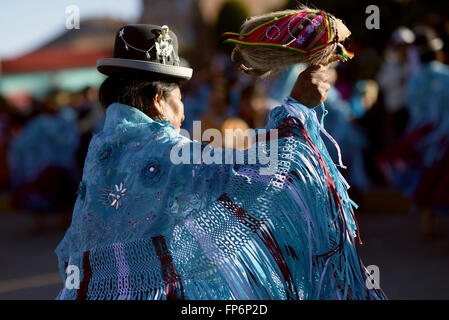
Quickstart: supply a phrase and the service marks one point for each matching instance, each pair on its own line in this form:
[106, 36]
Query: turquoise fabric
[45, 141]
[427, 103]
[351, 139]
[145, 228]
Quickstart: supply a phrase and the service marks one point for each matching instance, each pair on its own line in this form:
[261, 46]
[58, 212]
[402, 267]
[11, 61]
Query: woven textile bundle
[276, 40]
[145, 228]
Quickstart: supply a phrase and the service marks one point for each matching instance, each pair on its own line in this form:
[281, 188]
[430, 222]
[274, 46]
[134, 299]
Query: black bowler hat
[145, 49]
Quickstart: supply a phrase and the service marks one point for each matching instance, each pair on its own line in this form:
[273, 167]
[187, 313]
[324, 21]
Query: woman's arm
[311, 87]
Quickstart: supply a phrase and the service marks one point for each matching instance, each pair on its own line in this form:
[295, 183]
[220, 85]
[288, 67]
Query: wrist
[298, 101]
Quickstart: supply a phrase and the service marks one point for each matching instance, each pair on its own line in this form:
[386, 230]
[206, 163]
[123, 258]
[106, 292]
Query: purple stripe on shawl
[123, 272]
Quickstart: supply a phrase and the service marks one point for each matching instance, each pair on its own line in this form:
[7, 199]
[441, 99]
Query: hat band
[153, 67]
[163, 46]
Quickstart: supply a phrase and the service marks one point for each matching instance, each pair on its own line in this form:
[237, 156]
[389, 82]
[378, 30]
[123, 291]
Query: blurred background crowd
[388, 110]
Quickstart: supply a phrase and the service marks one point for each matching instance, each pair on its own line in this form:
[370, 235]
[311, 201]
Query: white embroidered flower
[115, 196]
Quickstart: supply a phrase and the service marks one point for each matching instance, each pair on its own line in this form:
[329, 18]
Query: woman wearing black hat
[146, 227]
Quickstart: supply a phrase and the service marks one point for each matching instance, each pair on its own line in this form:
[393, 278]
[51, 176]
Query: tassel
[332, 140]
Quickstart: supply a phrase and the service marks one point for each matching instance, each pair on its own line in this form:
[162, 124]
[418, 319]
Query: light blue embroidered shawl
[144, 228]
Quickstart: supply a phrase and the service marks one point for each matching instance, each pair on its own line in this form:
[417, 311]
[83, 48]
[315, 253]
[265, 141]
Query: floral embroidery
[115, 195]
[152, 172]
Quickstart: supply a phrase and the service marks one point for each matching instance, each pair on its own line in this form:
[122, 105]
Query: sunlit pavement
[28, 265]
[409, 269]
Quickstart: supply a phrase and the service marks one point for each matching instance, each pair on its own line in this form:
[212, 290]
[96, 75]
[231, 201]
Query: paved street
[27, 261]
[408, 269]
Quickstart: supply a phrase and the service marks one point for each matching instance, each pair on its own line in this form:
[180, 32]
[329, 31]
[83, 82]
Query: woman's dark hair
[135, 91]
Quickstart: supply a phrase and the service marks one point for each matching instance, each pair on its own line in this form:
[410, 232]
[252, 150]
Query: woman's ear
[157, 103]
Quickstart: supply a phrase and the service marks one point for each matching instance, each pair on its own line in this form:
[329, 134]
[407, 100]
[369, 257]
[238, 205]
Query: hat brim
[109, 66]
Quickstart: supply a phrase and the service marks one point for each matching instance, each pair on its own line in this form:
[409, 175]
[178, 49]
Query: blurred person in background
[12, 120]
[90, 111]
[400, 62]
[364, 97]
[253, 106]
[428, 106]
[252, 113]
[90, 118]
[219, 105]
[195, 98]
[419, 164]
[6, 122]
[351, 139]
[236, 134]
[42, 165]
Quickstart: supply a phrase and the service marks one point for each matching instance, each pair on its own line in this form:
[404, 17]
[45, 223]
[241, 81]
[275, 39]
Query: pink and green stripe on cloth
[305, 32]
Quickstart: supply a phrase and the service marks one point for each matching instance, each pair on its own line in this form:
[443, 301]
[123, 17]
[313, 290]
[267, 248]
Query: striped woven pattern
[305, 32]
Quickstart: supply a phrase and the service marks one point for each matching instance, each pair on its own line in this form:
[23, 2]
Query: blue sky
[26, 24]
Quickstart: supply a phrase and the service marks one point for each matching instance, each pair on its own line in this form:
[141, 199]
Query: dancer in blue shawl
[42, 165]
[418, 164]
[145, 227]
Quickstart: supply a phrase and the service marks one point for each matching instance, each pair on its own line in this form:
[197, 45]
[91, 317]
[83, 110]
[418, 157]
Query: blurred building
[186, 17]
[210, 8]
[66, 62]
[182, 16]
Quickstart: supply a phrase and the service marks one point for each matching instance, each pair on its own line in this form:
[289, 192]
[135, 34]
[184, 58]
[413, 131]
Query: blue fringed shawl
[144, 228]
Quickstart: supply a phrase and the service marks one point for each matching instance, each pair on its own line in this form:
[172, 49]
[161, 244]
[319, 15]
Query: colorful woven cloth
[145, 228]
[304, 32]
